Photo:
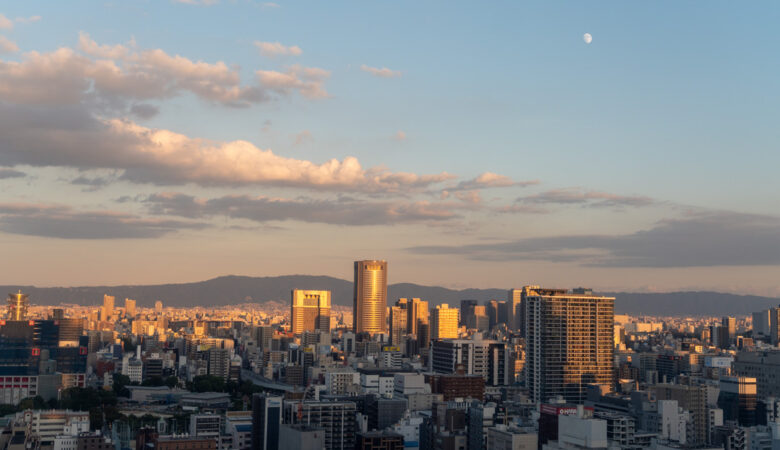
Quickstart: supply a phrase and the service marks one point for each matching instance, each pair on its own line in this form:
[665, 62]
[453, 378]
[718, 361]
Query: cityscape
[542, 368]
[389, 225]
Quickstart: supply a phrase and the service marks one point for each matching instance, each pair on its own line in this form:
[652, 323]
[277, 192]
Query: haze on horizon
[468, 144]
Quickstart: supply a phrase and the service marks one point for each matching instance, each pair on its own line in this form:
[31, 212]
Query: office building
[336, 419]
[158, 307]
[761, 324]
[491, 309]
[379, 440]
[301, 437]
[501, 437]
[764, 367]
[129, 307]
[417, 314]
[569, 339]
[738, 400]
[17, 306]
[310, 311]
[399, 319]
[266, 420]
[467, 312]
[774, 326]
[370, 297]
[444, 322]
[108, 308]
[514, 300]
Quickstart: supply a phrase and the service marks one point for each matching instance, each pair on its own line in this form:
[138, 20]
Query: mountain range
[231, 290]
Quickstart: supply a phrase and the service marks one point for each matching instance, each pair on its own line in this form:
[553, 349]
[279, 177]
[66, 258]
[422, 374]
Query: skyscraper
[17, 306]
[569, 338]
[310, 311]
[158, 306]
[129, 307]
[444, 322]
[467, 311]
[418, 314]
[491, 308]
[108, 308]
[266, 421]
[729, 331]
[399, 319]
[514, 301]
[370, 299]
[774, 325]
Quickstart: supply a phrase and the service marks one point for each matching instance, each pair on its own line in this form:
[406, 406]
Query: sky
[469, 144]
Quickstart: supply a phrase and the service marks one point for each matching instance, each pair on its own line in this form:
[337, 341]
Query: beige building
[17, 306]
[310, 311]
[108, 308]
[370, 299]
[444, 322]
[417, 313]
[129, 307]
[569, 341]
[399, 318]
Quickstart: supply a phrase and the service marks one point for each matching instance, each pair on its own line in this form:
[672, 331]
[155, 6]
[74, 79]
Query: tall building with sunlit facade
[17, 306]
[108, 308]
[310, 311]
[444, 322]
[569, 341]
[370, 297]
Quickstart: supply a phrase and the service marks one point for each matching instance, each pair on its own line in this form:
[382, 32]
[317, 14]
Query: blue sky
[664, 124]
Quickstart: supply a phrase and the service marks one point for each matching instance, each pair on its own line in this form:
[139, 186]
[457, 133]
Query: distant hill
[231, 290]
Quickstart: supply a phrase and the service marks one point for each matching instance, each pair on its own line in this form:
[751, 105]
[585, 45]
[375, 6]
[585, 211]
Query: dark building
[379, 440]
[457, 386]
[89, 441]
[384, 412]
[738, 400]
[337, 419]
[266, 420]
[467, 311]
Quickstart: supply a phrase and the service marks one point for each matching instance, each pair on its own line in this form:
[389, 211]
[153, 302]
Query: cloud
[490, 180]
[26, 20]
[63, 222]
[303, 137]
[308, 81]
[697, 240]
[113, 75]
[6, 23]
[399, 136]
[270, 5]
[72, 137]
[343, 211]
[272, 49]
[384, 72]
[7, 45]
[576, 196]
[144, 110]
[7, 172]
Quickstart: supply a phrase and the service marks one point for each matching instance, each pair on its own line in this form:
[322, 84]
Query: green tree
[172, 382]
[207, 383]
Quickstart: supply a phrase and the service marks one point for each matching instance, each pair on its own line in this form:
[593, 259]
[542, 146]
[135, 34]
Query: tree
[120, 381]
[207, 383]
[153, 381]
[172, 382]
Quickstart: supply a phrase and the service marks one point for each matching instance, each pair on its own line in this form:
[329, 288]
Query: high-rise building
[774, 325]
[129, 307]
[491, 308]
[514, 300]
[467, 308]
[738, 400]
[370, 297]
[569, 339]
[479, 321]
[444, 322]
[399, 321]
[728, 334]
[417, 314]
[266, 421]
[337, 419]
[761, 323]
[504, 316]
[108, 308]
[158, 307]
[17, 306]
[310, 311]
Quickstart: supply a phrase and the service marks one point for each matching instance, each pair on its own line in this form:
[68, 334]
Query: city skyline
[488, 146]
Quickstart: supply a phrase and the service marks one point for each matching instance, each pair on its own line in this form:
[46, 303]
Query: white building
[48, 424]
[410, 383]
[374, 383]
[502, 438]
[340, 382]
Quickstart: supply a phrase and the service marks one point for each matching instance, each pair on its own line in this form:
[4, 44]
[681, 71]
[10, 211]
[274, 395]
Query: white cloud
[270, 5]
[400, 136]
[120, 73]
[6, 23]
[197, 2]
[384, 72]
[272, 49]
[71, 137]
[26, 20]
[7, 45]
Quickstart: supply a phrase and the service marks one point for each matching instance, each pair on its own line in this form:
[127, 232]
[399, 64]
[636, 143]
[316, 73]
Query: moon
[587, 38]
